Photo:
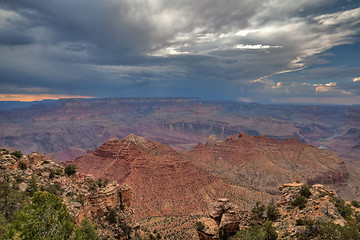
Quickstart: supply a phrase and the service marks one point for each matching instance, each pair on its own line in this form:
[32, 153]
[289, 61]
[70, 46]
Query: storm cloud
[260, 50]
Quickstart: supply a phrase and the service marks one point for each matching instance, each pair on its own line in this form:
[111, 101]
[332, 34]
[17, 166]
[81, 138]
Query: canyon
[70, 127]
[244, 168]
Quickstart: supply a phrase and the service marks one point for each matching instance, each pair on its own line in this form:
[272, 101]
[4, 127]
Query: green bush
[304, 221]
[11, 199]
[70, 169]
[299, 201]
[257, 232]
[100, 183]
[199, 226]
[332, 231]
[125, 228]
[46, 218]
[54, 189]
[258, 211]
[272, 212]
[59, 171]
[80, 198]
[17, 154]
[355, 203]
[85, 232]
[112, 216]
[93, 187]
[299, 222]
[305, 191]
[5, 151]
[22, 166]
[33, 186]
[52, 174]
[343, 208]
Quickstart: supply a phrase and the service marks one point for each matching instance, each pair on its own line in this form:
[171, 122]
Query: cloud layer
[259, 50]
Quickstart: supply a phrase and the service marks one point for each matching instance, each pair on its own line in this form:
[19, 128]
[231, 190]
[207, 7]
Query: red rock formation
[265, 163]
[166, 182]
[99, 203]
[162, 180]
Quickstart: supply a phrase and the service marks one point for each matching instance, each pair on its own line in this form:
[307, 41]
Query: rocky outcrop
[290, 220]
[320, 207]
[226, 216]
[212, 140]
[100, 203]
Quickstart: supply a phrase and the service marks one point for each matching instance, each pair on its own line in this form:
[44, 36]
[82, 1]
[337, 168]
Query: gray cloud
[138, 47]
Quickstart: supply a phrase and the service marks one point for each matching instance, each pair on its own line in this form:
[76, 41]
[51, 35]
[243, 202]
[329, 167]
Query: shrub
[299, 201]
[102, 183]
[45, 162]
[46, 218]
[11, 200]
[80, 198]
[5, 151]
[355, 203]
[125, 228]
[272, 213]
[93, 187]
[258, 210]
[54, 189]
[270, 231]
[70, 169]
[33, 186]
[305, 191]
[85, 232]
[52, 174]
[343, 208]
[59, 171]
[332, 231]
[304, 221]
[22, 166]
[257, 232]
[199, 226]
[299, 222]
[17, 154]
[112, 216]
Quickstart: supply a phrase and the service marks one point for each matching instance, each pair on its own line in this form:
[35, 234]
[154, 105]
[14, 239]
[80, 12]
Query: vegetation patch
[299, 201]
[258, 232]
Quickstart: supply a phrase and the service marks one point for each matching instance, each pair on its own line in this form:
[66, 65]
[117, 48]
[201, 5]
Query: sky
[266, 51]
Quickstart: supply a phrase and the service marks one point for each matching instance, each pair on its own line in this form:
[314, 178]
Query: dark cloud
[222, 49]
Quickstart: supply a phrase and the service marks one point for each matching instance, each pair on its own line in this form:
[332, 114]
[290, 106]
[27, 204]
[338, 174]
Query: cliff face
[265, 163]
[100, 203]
[164, 182]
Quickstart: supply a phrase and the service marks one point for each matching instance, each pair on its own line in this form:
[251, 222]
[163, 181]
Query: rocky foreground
[25, 179]
[97, 209]
[302, 212]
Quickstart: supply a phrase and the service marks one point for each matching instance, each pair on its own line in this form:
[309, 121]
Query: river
[328, 138]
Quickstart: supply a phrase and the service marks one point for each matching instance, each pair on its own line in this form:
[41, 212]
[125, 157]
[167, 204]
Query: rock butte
[242, 168]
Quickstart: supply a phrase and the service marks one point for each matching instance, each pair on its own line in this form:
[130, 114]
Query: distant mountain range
[70, 127]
